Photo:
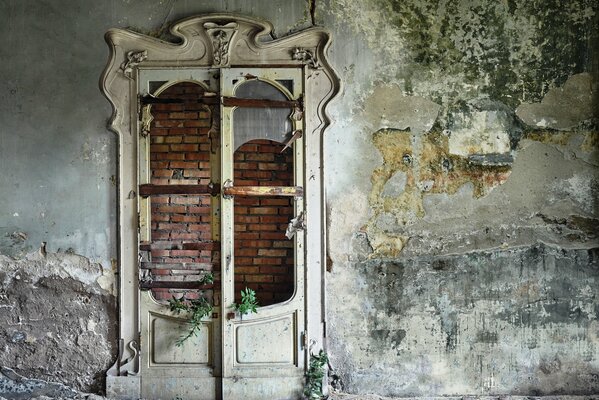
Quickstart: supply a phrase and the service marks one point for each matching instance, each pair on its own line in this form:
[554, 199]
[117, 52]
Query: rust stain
[549, 136]
[429, 169]
[591, 142]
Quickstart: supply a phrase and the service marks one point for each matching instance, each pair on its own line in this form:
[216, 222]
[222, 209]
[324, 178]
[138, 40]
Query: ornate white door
[178, 217]
[263, 353]
[208, 185]
[253, 157]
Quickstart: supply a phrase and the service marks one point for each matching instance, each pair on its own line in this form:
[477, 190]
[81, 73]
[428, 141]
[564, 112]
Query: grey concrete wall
[461, 178]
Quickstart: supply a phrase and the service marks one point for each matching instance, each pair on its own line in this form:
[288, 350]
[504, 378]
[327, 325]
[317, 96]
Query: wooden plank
[259, 103]
[210, 100]
[149, 189]
[175, 285]
[227, 102]
[201, 246]
[178, 266]
[208, 245]
[295, 191]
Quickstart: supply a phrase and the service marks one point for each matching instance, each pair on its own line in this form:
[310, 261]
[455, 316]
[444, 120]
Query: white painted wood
[266, 344]
[248, 44]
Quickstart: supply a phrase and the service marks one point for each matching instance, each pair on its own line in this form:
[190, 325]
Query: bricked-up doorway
[264, 256]
[220, 146]
[181, 153]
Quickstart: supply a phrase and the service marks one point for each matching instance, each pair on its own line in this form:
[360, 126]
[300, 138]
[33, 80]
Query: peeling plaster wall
[461, 175]
[58, 181]
[57, 313]
[463, 185]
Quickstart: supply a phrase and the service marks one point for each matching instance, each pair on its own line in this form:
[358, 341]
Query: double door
[221, 177]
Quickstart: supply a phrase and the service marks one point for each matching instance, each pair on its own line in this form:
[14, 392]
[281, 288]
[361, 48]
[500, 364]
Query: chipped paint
[429, 169]
[563, 107]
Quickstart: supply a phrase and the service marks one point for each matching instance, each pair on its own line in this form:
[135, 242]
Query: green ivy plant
[199, 309]
[315, 375]
[248, 303]
[207, 279]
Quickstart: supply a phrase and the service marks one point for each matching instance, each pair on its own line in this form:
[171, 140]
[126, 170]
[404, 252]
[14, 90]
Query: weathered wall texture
[462, 182]
[57, 313]
[58, 185]
[463, 189]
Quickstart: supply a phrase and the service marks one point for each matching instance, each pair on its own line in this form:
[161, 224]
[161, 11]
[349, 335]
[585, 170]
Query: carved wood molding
[211, 41]
[215, 40]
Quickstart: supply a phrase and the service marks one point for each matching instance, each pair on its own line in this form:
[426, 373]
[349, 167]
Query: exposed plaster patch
[395, 185]
[58, 311]
[562, 107]
[483, 132]
[16, 386]
[428, 169]
[389, 107]
[63, 265]
[347, 215]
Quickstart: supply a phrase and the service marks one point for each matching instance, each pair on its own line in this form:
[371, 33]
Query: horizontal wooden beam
[227, 102]
[295, 191]
[201, 246]
[178, 266]
[175, 285]
[208, 245]
[259, 103]
[149, 189]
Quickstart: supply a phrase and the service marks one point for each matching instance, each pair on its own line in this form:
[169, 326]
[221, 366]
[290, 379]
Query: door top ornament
[216, 40]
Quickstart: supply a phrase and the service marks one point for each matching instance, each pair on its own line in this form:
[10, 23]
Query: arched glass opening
[182, 240]
[264, 256]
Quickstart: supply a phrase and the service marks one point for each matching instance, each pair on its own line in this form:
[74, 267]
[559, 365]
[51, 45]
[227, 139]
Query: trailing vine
[248, 303]
[315, 375]
[199, 309]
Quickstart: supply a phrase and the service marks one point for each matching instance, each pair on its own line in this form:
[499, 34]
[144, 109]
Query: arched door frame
[212, 41]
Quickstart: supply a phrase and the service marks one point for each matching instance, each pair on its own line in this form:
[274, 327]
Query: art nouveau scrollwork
[134, 58]
[214, 41]
[221, 36]
[305, 56]
[146, 119]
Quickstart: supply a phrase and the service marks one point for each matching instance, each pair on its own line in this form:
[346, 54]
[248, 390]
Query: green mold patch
[512, 51]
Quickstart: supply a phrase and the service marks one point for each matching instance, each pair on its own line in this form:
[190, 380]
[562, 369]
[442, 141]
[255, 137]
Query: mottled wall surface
[463, 190]
[57, 319]
[461, 174]
[58, 164]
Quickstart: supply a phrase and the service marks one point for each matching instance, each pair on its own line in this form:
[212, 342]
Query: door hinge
[304, 340]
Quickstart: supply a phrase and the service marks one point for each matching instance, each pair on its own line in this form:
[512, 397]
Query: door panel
[169, 371]
[175, 230]
[261, 350]
[167, 330]
[253, 338]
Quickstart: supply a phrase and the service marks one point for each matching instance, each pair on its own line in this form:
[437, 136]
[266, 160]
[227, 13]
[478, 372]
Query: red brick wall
[180, 154]
[263, 255]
